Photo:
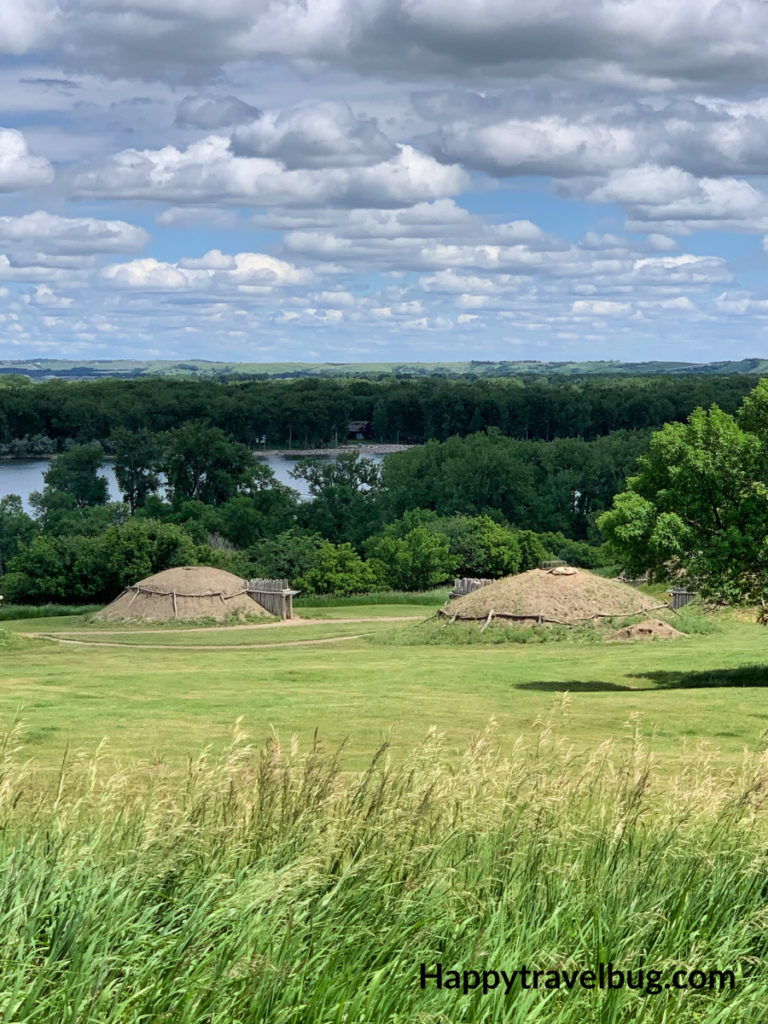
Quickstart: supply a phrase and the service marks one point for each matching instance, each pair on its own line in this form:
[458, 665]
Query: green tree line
[45, 416]
[687, 501]
[484, 505]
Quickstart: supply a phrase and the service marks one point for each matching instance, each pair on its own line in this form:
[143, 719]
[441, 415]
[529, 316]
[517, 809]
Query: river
[22, 476]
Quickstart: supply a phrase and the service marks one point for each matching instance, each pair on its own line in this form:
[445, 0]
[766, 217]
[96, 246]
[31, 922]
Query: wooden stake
[485, 625]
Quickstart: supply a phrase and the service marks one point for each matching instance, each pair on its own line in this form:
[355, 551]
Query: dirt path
[92, 638]
[186, 647]
[284, 624]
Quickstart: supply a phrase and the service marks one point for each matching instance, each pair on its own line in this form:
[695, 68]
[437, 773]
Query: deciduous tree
[698, 508]
[76, 473]
[137, 464]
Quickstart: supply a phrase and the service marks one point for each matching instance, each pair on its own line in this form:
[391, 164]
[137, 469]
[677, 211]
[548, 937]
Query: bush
[338, 570]
[576, 552]
[289, 555]
[481, 547]
[78, 568]
[417, 561]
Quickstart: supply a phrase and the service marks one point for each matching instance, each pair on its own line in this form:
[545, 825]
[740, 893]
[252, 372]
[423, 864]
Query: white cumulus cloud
[599, 307]
[640, 42]
[319, 135]
[244, 271]
[678, 201]
[208, 171]
[20, 169]
[25, 24]
[51, 233]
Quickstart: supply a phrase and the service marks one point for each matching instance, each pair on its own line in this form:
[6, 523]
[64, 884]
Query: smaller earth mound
[648, 629]
[542, 596]
[186, 593]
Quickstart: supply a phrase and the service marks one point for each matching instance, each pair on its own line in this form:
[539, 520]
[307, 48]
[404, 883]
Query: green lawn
[61, 623]
[395, 611]
[224, 637]
[168, 703]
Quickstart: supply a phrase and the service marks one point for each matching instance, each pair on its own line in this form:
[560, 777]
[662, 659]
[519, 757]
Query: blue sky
[354, 180]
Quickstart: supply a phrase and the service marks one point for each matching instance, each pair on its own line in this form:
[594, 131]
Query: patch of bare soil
[648, 629]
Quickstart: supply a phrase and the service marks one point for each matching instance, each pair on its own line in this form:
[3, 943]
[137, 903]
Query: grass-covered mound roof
[185, 593]
[541, 595]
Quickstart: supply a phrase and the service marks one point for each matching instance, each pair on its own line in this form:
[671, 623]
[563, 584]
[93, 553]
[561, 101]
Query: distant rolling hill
[129, 368]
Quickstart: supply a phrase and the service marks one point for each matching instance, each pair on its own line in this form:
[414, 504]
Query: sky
[384, 180]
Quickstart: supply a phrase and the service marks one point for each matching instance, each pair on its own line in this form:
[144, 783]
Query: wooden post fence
[467, 585]
[680, 597]
[274, 595]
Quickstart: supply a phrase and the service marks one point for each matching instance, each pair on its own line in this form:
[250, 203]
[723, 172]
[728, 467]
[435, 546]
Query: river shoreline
[28, 458]
[357, 449]
[24, 475]
[286, 453]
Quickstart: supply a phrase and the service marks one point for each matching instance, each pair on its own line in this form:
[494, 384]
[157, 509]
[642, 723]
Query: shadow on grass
[680, 679]
[743, 675]
[576, 686]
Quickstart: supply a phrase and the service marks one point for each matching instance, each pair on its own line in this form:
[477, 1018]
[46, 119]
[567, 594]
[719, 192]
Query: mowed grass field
[161, 693]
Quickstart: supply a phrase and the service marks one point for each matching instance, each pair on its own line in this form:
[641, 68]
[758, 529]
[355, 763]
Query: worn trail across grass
[168, 703]
[291, 633]
[201, 645]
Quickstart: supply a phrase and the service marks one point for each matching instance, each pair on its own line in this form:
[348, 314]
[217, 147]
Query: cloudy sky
[360, 180]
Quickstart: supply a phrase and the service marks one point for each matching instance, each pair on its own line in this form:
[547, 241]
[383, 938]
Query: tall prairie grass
[44, 611]
[269, 885]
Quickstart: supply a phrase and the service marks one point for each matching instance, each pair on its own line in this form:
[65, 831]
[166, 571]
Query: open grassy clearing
[150, 702]
[430, 598]
[222, 636]
[84, 621]
[367, 611]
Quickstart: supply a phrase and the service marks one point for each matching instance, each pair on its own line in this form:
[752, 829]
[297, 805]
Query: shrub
[338, 570]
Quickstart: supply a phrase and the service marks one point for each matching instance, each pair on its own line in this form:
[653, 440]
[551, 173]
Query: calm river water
[22, 476]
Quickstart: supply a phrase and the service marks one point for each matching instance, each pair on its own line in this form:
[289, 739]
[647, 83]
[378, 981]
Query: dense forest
[503, 474]
[313, 413]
